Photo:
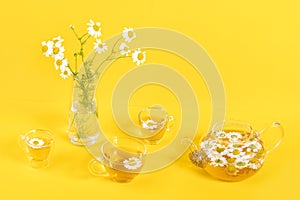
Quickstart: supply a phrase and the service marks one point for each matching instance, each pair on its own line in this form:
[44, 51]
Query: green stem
[75, 34]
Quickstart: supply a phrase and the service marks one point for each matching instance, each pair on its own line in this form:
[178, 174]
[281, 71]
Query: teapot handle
[274, 125]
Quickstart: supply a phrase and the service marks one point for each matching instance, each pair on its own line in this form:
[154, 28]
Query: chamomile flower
[150, 124]
[235, 151]
[253, 146]
[221, 149]
[65, 72]
[94, 29]
[60, 63]
[100, 46]
[221, 134]
[58, 50]
[124, 49]
[234, 136]
[47, 48]
[132, 163]
[208, 146]
[139, 57]
[255, 163]
[128, 34]
[218, 161]
[36, 142]
[58, 40]
[241, 163]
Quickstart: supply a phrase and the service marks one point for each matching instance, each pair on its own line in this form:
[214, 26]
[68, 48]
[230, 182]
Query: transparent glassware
[233, 151]
[121, 160]
[37, 144]
[83, 108]
[154, 122]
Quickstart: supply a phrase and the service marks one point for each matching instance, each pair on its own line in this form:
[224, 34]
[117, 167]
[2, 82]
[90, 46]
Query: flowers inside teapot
[232, 151]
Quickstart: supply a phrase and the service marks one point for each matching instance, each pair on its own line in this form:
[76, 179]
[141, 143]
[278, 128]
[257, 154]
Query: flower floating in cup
[132, 163]
[36, 143]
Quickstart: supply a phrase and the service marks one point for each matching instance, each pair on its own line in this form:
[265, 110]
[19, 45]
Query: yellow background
[255, 46]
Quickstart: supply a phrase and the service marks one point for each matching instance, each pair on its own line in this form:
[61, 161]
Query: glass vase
[83, 108]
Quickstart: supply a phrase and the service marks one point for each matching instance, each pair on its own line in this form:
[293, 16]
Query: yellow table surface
[255, 46]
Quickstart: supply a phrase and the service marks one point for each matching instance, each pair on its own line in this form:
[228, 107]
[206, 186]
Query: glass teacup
[37, 145]
[154, 122]
[122, 160]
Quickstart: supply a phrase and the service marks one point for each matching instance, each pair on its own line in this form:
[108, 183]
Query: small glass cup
[37, 145]
[121, 160]
[154, 122]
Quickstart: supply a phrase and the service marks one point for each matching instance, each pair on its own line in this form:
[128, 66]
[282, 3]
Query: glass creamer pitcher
[233, 151]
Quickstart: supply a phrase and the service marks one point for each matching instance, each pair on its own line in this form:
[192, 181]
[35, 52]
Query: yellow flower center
[231, 169]
[96, 28]
[59, 63]
[230, 160]
[130, 34]
[44, 49]
[66, 72]
[236, 152]
[219, 149]
[261, 151]
[253, 160]
[55, 50]
[100, 46]
[126, 48]
[140, 56]
[35, 142]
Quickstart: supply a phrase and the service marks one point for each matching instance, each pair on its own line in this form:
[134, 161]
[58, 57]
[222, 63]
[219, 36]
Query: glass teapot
[232, 151]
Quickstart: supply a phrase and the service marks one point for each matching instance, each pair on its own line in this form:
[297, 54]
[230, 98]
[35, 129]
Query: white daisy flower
[253, 146]
[128, 34]
[150, 124]
[58, 51]
[220, 134]
[255, 164]
[235, 151]
[36, 142]
[58, 40]
[94, 29]
[213, 154]
[208, 145]
[124, 49]
[249, 155]
[234, 136]
[65, 72]
[47, 48]
[241, 163]
[132, 163]
[100, 46]
[221, 149]
[218, 161]
[139, 57]
[60, 63]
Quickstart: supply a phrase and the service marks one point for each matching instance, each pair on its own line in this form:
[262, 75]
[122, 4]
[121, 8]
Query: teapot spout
[196, 155]
[198, 158]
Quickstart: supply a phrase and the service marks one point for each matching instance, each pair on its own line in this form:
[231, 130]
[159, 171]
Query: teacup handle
[274, 125]
[21, 142]
[171, 122]
[97, 168]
